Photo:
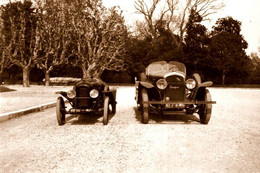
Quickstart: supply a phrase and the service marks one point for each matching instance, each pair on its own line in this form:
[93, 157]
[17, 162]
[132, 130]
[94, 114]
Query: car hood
[164, 69]
[164, 74]
[90, 82]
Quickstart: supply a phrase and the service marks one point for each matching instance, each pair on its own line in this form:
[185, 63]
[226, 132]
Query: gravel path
[229, 143]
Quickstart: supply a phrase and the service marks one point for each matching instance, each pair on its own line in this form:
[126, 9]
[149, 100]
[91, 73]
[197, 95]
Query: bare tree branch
[175, 15]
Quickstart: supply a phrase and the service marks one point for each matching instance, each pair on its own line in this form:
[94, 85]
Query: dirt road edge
[15, 114]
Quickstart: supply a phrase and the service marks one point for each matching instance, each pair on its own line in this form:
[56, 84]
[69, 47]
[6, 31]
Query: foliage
[255, 67]
[227, 48]
[100, 37]
[63, 80]
[174, 14]
[3, 60]
[53, 32]
[83, 38]
[19, 31]
[197, 40]
[147, 50]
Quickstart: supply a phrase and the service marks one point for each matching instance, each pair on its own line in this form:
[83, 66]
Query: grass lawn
[23, 97]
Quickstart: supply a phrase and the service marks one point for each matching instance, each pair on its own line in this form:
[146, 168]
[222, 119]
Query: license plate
[170, 106]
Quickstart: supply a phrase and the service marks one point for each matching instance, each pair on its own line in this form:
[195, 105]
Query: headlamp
[71, 94]
[161, 84]
[190, 84]
[93, 93]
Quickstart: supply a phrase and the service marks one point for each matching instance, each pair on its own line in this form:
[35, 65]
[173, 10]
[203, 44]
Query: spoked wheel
[106, 110]
[205, 110]
[145, 106]
[60, 111]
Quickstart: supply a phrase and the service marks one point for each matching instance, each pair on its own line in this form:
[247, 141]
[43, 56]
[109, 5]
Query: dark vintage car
[90, 95]
[165, 88]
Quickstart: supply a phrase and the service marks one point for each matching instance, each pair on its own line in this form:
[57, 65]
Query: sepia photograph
[130, 86]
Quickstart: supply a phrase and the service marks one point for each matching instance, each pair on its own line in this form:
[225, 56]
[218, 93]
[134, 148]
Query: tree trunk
[94, 71]
[26, 77]
[91, 72]
[223, 77]
[84, 71]
[47, 78]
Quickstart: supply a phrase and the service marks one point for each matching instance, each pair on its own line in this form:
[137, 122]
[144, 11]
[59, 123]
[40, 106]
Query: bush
[63, 80]
[116, 77]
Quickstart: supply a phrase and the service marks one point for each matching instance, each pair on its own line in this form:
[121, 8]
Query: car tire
[60, 108]
[205, 110]
[106, 110]
[139, 107]
[145, 106]
[113, 107]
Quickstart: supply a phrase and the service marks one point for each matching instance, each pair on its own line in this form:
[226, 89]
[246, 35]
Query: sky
[245, 11]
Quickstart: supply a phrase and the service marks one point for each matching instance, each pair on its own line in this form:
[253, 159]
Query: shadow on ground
[5, 89]
[169, 118]
[86, 119]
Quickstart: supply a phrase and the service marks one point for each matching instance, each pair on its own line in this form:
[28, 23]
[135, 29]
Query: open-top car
[165, 88]
[88, 95]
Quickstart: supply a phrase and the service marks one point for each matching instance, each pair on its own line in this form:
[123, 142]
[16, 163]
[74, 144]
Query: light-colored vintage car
[164, 88]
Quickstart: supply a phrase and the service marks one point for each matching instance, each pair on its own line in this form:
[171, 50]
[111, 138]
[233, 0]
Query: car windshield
[160, 68]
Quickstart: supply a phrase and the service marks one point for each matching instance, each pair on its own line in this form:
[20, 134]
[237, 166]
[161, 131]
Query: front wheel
[145, 106]
[205, 110]
[114, 107]
[106, 110]
[60, 108]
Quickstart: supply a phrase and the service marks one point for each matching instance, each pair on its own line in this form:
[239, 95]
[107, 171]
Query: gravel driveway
[229, 143]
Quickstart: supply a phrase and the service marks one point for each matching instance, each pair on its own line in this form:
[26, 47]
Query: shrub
[63, 80]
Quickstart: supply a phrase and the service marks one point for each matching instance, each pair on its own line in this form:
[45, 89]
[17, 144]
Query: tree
[197, 40]
[53, 33]
[175, 15]
[19, 36]
[144, 50]
[255, 75]
[3, 60]
[100, 37]
[227, 47]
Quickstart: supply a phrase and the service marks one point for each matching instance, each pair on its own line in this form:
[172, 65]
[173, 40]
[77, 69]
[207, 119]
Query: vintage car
[165, 88]
[90, 95]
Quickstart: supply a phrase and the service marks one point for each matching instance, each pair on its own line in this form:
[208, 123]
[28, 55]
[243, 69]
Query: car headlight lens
[93, 93]
[71, 94]
[190, 84]
[161, 84]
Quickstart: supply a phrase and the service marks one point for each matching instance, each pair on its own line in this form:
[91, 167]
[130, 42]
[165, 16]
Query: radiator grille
[176, 88]
[82, 97]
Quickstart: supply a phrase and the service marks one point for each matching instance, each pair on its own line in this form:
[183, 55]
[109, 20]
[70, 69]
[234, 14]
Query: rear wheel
[106, 110]
[205, 110]
[60, 111]
[145, 106]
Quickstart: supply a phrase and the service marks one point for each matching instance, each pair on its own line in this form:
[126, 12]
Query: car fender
[111, 93]
[139, 86]
[63, 93]
[197, 78]
[198, 92]
[205, 84]
[147, 85]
